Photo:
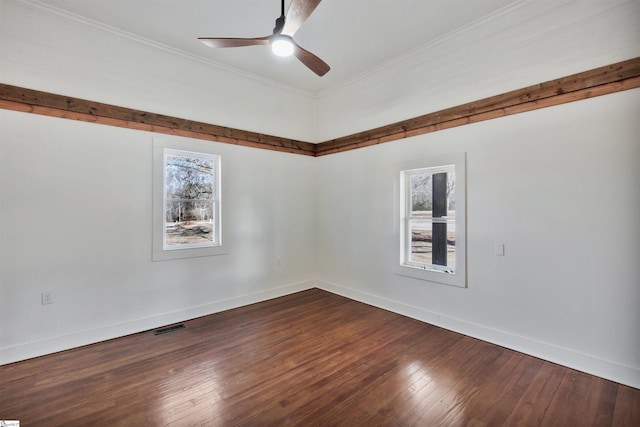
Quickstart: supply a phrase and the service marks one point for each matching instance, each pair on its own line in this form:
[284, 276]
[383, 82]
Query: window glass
[190, 200]
[430, 230]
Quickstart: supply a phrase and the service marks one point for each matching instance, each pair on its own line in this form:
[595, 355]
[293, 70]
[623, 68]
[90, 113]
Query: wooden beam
[597, 82]
[600, 81]
[48, 104]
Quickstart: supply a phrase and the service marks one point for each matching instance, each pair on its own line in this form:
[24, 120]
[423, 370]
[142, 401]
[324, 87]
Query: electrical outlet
[46, 298]
[499, 249]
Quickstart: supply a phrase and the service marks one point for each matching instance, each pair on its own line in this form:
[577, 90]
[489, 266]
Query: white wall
[557, 186]
[75, 198]
[75, 220]
[46, 51]
[529, 43]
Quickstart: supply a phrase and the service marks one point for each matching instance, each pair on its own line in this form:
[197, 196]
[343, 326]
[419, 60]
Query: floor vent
[168, 329]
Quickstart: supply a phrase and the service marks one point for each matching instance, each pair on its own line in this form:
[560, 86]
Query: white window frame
[162, 251]
[422, 271]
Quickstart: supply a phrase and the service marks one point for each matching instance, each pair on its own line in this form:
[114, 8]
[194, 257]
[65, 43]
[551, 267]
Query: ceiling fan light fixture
[282, 45]
[281, 40]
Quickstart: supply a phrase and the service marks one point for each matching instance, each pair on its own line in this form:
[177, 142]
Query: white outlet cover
[46, 298]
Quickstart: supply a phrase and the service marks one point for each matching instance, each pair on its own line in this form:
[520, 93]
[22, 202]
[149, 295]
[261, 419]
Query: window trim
[159, 252]
[459, 278]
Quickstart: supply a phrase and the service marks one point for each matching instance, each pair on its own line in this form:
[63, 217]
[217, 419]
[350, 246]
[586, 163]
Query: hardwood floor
[307, 359]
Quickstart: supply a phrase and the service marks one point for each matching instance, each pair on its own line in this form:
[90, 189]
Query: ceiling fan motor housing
[279, 25]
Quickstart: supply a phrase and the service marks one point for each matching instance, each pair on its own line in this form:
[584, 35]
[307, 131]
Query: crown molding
[512, 10]
[37, 4]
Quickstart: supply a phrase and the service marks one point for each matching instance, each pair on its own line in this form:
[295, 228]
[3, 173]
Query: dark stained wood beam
[597, 82]
[48, 104]
[600, 81]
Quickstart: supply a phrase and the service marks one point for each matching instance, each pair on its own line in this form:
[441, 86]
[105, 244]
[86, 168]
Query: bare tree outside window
[190, 198]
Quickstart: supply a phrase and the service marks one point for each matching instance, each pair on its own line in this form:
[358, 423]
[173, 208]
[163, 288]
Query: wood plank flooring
[307, 359]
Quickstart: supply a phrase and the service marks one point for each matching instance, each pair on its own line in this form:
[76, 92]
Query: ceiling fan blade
[234, 42]
[312, 62]
[298, 12]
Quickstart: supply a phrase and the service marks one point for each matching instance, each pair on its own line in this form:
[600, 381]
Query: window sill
[440, 277]
[166, 255]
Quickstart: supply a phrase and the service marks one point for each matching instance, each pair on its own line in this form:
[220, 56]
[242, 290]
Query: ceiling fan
[281, 40]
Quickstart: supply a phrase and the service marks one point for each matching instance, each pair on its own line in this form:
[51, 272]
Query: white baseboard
[562, 356]
[65, 342]
[550, 352]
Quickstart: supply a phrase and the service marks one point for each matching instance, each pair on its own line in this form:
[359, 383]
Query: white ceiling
[352, 36]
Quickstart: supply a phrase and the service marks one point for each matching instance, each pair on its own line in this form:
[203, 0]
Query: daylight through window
[429, 219]
[191, 200]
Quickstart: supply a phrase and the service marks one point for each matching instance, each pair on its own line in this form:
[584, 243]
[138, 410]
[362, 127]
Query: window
[429, 229]
[432, 220]
[191, 201]
[186, 201]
